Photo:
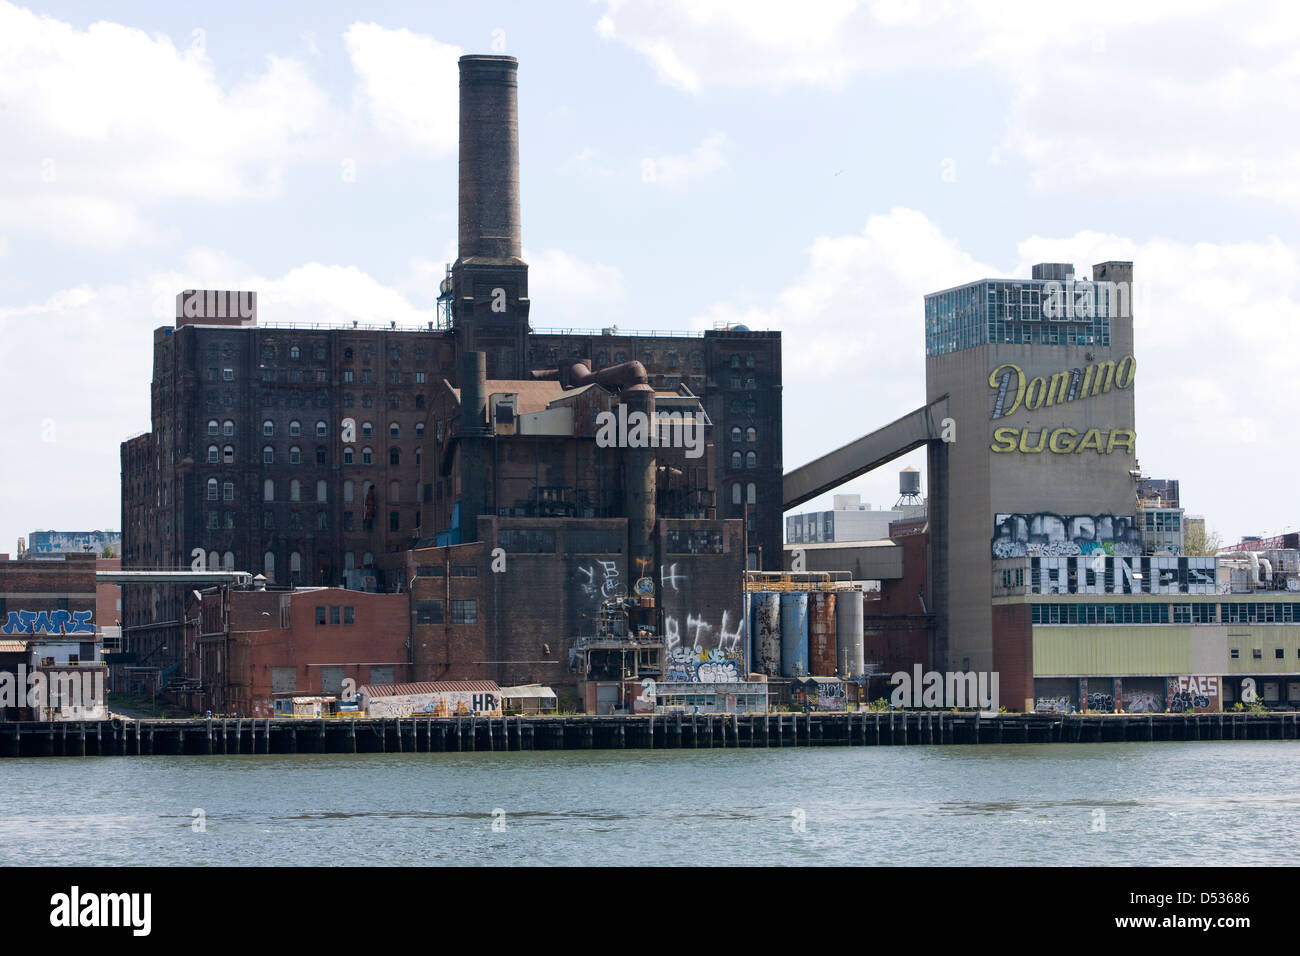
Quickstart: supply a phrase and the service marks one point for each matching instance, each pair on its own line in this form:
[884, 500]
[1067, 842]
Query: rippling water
[1088, 804]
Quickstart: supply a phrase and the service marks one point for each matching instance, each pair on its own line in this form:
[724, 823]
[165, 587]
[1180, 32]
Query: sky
[815, 168]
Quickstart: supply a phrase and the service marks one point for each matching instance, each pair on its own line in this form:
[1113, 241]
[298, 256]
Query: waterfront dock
[288, 735]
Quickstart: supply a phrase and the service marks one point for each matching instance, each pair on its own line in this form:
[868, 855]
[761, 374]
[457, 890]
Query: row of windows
[320, 352]
[431, 612]
[1257, 653]
[295, 399]
[348, 616]
[748, 460]
[749, 434]
[1186, 613]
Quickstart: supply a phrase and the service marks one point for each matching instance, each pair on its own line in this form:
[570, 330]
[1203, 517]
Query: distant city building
[848, 520]
[71, 542]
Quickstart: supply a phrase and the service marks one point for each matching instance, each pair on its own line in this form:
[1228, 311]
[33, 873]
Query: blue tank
[794, 634]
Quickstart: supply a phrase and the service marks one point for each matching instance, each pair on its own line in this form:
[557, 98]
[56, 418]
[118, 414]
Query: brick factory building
[343, 457]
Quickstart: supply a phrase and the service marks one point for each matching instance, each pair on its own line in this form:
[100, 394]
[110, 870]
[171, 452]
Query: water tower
[909, 489]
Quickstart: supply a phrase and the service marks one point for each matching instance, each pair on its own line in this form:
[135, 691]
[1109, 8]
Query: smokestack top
[489, 158]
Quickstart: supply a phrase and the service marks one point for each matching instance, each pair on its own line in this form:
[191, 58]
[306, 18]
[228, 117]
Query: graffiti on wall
[1193, 693]
[1101, 703]
[49, 622]
[703, 653]
[1047, 534]
[1103, 574]
[1053, 705]
[599, 579]
[1141, 702]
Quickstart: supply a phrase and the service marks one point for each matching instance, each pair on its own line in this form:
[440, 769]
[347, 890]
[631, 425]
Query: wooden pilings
[428, 734]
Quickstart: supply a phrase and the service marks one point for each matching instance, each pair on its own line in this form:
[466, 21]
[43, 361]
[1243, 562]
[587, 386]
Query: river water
[1086, 804]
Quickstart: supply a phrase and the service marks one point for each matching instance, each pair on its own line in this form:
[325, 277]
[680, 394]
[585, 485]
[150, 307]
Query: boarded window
[695, 542]
[284, 680]
[526, 541]
[331, 681]
[381, 673]
[584, 541]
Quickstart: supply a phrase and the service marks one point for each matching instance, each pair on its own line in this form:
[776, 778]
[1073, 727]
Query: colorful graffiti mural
[1196, 694]
[1141, 702]
[1054, 535]
[49, 622]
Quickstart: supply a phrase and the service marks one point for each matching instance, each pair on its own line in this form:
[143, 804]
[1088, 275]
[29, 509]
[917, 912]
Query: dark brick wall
[1013, 653]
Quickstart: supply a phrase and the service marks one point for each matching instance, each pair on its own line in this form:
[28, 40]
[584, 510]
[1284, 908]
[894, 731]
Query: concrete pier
[288, 735]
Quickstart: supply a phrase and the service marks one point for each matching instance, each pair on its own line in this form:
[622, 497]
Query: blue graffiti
[49, 622]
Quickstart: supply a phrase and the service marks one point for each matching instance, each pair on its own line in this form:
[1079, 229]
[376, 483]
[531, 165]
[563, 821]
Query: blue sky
[814, 168]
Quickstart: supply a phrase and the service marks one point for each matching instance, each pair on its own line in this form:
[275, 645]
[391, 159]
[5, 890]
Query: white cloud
[673, 171]
[102, 121]
[560, 280]
[410, 85]
[1192, 94]
[1214, 327]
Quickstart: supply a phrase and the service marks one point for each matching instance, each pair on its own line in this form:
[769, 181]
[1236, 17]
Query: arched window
[751, 434]
[751, 460]
[295, 567]
[268, 565]
[295, 353]
[322, 429]
[347, 492]
[735, 493]
[735, 433]
[735, 459]
[214, 561]
[349, 560]
[367, 429]
[227, 427]
[228, 561]
[367, 456]
[749, 361]
[394, 430]
[268, 455]
[367, 559]
[212, 426]
[394, 456]
[751, 493]
[213, 490]
[295, 455]
[228, 454]
[295, 490]
[268, 490]
[268, 429]
[347, 455]
[320, 490]
[394, 491]
[735, 361]
[419, 429]
[295, 429]
[213, 455]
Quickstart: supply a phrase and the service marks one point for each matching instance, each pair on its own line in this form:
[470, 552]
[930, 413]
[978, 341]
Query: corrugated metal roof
[10, 647]
[527, 690]
[430, 687]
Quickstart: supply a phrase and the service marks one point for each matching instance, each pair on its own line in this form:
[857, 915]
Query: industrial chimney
[489, 279]
[489, 158]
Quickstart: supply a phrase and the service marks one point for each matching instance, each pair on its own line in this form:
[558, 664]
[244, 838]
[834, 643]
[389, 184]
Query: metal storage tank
[794, 634]
[767, 633]
[848, 633]
[821, 633]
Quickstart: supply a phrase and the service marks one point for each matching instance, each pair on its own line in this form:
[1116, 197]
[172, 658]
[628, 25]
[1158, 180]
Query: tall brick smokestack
[489, 158]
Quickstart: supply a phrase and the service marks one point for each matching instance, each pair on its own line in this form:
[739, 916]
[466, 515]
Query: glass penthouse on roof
[1049, 311]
